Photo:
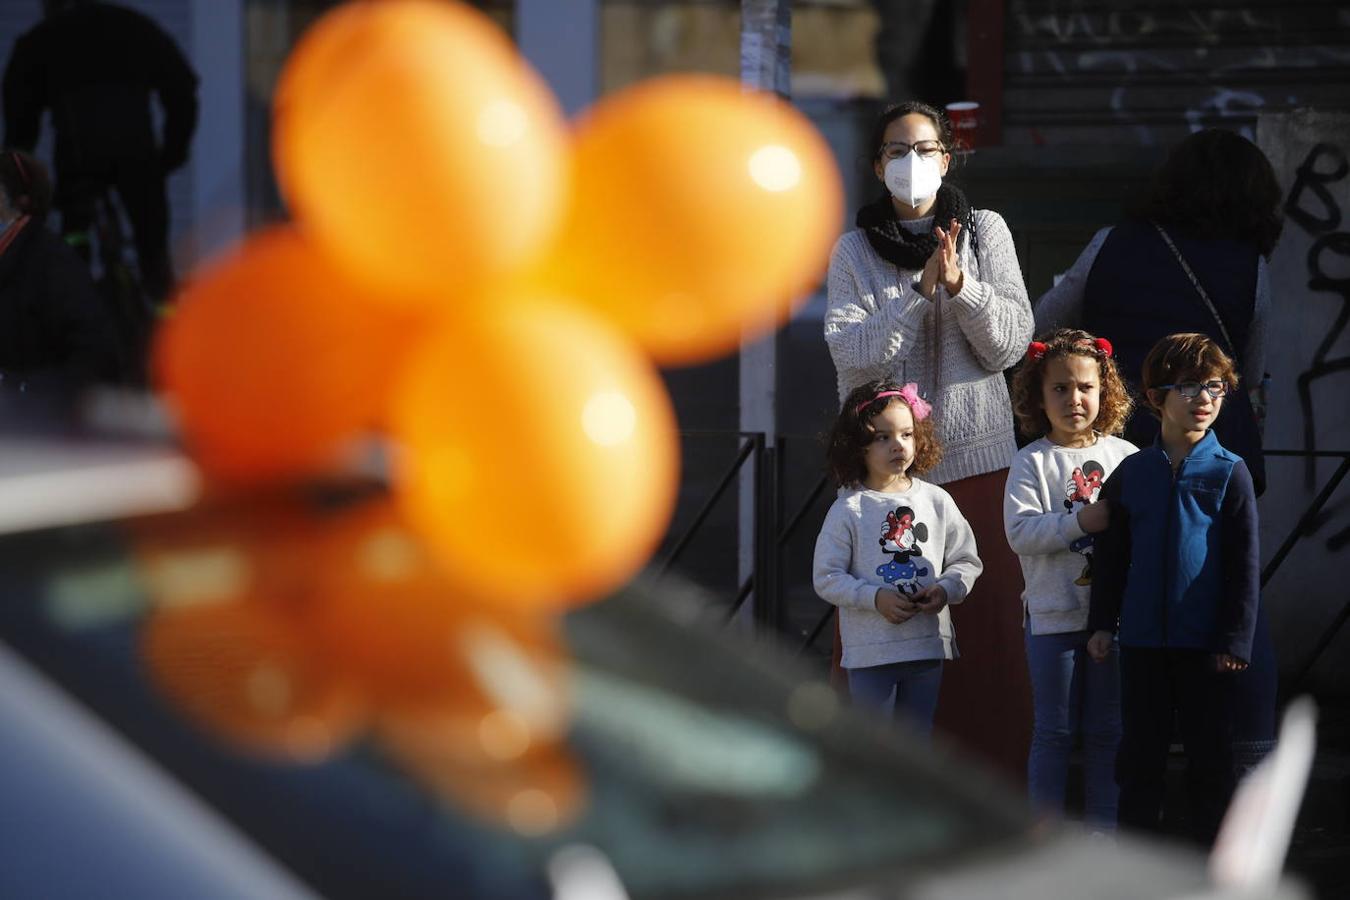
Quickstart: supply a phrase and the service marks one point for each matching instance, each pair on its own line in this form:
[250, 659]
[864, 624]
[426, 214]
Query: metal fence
[775, 524]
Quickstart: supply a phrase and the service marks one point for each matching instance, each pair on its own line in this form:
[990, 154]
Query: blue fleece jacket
[1179, 564]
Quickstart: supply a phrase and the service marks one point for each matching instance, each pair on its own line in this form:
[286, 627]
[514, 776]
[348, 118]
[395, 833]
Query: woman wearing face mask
[928, 290]
[55, 333]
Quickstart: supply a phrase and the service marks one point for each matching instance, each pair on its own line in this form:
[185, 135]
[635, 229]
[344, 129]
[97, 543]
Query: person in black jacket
[1192, 257]
[56, 335]
[95, 66]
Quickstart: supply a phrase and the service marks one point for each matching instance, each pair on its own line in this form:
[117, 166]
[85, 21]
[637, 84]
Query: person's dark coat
[95, 66]
[1137, 293]
[56, 334]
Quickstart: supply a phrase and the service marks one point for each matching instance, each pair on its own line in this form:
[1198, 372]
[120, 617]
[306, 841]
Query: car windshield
[708, 764]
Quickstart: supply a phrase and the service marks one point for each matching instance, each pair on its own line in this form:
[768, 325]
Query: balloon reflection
[289, 627]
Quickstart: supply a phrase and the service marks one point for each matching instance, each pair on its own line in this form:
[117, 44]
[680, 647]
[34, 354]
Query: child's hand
[1099, 646]
[931, 599]
[1094, 517]
[893, 607]
[1225, 662]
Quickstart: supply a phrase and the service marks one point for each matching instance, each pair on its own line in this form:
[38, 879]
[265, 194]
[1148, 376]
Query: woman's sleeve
[867, 334]
[1062, 305]
[1033, 530]
[961, 563]
[1254, 359]
[994, 312]
[1241, 549]
[830, 571]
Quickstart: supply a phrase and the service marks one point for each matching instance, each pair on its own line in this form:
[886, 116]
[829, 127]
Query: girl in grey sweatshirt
[1069, 395]
[894, 551]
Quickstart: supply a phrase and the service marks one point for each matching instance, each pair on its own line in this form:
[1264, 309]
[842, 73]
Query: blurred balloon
[273, 359]
[242, 670]
[696, 209]
[502, 686]
[419, 145]
[392, 619]
[537, 793]
[472, 700]
[538, 454]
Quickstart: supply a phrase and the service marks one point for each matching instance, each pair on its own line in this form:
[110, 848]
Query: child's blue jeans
[1073, 695]
[914, 684]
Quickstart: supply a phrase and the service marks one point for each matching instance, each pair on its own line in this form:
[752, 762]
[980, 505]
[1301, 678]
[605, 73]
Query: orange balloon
[696, 210]
[539, 454]
[243, 671]
[273, 359]
[420, 147]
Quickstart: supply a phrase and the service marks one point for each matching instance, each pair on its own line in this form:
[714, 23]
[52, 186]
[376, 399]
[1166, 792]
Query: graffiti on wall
[1147, 70]
[1312, 206]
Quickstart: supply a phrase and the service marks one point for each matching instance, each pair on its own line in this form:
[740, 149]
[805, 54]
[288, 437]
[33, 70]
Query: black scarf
[905, 249]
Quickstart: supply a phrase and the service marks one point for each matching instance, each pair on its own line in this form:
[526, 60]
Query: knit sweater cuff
[972, 298]
[966, 462]
[1069, 529]
[865, 597]
[956, 591]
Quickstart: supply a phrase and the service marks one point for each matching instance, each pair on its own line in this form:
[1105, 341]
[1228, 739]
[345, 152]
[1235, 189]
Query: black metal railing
[773, 530]
[1304, 527]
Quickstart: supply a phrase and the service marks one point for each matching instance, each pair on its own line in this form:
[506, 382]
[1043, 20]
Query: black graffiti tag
[1309, 178]
[1328, 265]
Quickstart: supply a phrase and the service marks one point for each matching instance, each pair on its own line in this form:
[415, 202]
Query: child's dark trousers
[1160, 687]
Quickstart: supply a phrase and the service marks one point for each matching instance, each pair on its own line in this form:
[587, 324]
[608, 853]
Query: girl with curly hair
[893, 553]
[1069, 396]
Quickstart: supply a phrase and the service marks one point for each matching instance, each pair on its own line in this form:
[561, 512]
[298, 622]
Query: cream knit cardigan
[877, 325]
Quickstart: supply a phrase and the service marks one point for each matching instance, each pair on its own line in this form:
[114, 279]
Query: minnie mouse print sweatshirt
[904, 541]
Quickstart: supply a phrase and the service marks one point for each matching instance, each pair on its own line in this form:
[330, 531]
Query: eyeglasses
[899, 149]
[1191, 389]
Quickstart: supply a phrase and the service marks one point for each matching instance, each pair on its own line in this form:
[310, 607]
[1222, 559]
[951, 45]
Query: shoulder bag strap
[1213, 311]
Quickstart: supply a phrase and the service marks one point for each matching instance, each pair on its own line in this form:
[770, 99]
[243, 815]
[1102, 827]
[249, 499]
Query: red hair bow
[1103, 347]
[1036, 350]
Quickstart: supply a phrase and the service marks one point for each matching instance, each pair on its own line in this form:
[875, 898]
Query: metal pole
[561, 39]
[766, 56]
[767, 602]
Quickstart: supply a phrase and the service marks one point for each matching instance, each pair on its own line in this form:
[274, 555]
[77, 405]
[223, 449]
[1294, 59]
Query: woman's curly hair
[1114, 405]
[852, 432]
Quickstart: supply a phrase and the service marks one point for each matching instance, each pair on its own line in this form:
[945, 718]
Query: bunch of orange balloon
[489, 289]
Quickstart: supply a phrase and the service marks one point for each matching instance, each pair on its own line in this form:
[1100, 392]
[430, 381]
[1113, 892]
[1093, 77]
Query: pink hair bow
[910, 394]
[917, 405]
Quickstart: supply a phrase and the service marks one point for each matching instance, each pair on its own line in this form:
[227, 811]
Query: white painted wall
[1309, 323]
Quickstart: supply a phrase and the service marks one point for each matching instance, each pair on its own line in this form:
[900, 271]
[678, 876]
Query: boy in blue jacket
[1177, 575]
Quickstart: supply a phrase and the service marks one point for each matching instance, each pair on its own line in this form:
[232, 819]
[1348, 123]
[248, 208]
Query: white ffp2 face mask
[912, 179]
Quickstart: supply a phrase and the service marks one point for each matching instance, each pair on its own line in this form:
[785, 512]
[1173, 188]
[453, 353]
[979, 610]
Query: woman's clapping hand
[949, 273]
